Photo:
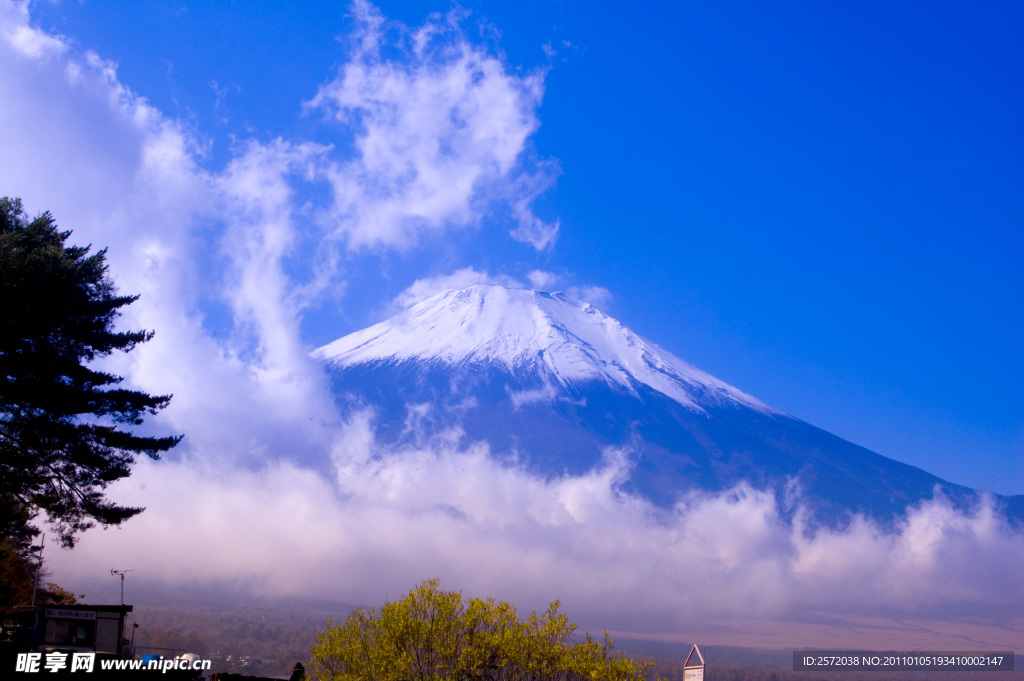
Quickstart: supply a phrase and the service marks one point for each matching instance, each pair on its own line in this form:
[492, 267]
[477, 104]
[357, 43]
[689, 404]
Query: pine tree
[65, 427]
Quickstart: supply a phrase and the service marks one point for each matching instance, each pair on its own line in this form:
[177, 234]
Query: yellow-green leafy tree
[434, 635]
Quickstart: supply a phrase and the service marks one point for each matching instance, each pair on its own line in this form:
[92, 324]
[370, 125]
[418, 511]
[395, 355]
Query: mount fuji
[552, 384]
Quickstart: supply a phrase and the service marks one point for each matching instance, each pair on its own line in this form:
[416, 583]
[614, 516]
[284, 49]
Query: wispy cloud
[27, 40]
[440, 134]
[543, 281]
[421, 289]
[261, 231]
[235, 248]
[598, 296]
[120, 174]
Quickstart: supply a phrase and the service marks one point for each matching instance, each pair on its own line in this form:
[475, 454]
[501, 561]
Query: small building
[78, 628]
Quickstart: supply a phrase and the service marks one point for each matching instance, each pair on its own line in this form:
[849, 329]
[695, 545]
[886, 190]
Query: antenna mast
[39, 568]
[121, 573]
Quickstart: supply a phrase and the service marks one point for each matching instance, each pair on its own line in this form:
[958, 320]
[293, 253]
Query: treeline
[241, 640]
[18, 576]
[273, 640]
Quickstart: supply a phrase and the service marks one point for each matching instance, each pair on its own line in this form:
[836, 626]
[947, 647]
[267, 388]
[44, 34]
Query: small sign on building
[693, 668]
[68, 614]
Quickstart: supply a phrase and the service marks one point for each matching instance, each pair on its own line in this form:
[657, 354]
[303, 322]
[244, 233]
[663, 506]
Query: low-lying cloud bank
[388, 519]
[228, 259]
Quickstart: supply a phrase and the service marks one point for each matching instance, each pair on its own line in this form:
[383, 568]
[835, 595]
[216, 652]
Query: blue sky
[819, 204]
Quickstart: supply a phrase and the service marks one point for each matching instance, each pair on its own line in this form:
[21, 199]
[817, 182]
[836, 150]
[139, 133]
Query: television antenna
[39, 568]
[120, 573]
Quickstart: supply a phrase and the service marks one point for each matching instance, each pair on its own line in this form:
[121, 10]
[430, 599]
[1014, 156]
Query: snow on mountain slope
[567, 340]
[553, 384]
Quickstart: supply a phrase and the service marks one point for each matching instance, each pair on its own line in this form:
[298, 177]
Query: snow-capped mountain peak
[570, 342]
[548, 384]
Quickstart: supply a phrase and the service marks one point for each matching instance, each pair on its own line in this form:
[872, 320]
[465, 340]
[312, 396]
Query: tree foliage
[431, 635]
[65, 426]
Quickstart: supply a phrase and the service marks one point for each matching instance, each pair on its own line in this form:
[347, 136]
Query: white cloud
[260, 233]
[27, 40]
[598, 296]
[534, 231]
[440, 135]
[546, 393]
[543, 281]
[564, 49]
[391, 518]
[119, 174]
[421, 289]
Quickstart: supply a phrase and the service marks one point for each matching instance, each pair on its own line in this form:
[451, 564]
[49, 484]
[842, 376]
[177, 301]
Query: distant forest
[268, 642]
[242, 640]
